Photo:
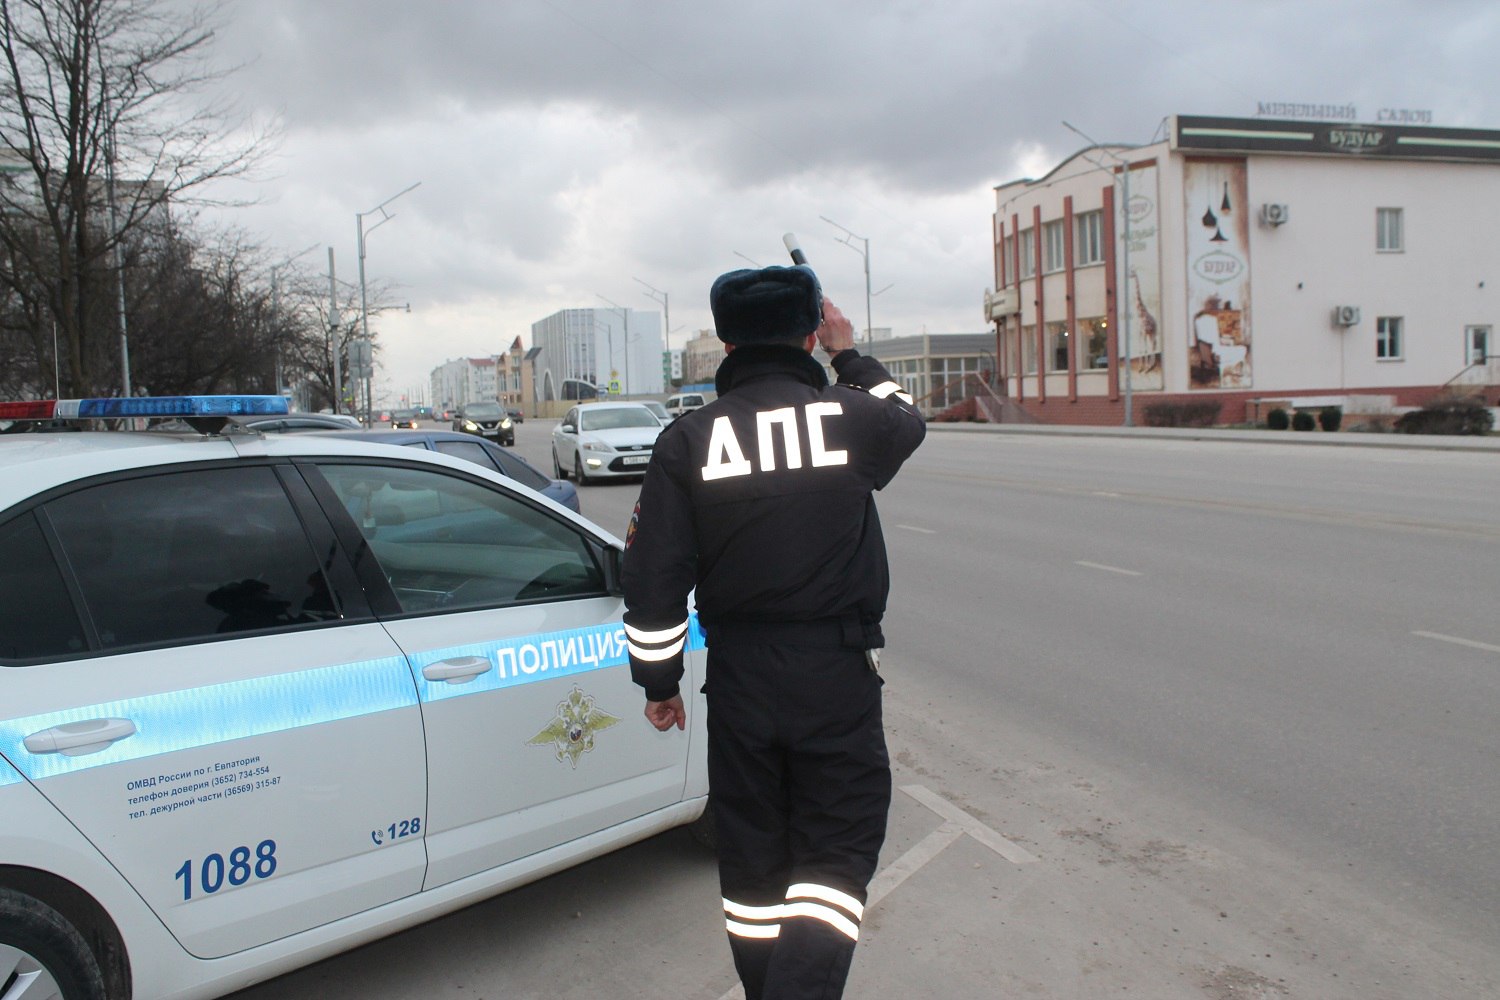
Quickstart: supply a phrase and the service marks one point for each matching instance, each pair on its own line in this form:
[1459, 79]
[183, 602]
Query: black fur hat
[771, 304]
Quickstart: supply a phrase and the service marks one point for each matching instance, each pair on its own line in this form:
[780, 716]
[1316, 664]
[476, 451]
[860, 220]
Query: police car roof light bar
[144, 406]
[37, 409]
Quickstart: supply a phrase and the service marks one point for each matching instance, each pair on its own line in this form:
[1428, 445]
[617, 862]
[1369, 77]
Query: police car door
[223, 720]
[534, 734]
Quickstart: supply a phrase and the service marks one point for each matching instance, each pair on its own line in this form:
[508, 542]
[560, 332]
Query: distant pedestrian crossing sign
[614, 387]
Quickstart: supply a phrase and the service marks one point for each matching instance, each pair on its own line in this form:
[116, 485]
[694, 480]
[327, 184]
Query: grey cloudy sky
[567, 147]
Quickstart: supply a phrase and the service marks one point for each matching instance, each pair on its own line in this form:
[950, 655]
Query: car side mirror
[569, 429]
[612, 560]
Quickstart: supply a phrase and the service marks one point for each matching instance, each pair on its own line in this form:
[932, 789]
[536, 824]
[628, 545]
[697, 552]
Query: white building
[465, 380]
[616, 352]
[1267, 261]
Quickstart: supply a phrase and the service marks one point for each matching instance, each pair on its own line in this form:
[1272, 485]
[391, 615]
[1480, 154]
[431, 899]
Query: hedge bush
[1199, 413]
[1331, 418]
[1278, 420]
[1303, 421]
[1450, 416]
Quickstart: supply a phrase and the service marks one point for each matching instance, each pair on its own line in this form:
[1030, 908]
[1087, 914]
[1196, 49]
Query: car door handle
[459, 670]
[74, 739]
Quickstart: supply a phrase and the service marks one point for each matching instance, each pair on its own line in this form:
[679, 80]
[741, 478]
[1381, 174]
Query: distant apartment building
[500, 378]
[604, 351]
[701, 357]
[1257, 261]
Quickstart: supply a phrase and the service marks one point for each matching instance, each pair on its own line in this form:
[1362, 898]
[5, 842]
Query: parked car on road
[683, 402]
[604, 440]
[484, 453]
[264, 699]
[292, 423]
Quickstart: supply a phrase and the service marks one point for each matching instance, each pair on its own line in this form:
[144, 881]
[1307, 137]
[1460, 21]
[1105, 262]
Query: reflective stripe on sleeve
[885, 389]
[656, 655]
[650, 646]
[644, 637]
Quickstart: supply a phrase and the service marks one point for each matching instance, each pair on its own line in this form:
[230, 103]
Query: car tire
[36, 940]
[578, 473]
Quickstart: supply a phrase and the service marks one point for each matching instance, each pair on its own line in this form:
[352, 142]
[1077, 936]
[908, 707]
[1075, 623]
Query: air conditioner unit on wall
[1274, 213]
[1346, 315]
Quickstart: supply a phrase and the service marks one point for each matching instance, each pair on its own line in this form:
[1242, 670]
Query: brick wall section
[1105, 412]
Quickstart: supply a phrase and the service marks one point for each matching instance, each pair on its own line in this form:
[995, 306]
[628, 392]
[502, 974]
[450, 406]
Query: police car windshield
[616, 418]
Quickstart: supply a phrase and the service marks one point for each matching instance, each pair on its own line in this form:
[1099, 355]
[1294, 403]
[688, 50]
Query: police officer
[763, 501]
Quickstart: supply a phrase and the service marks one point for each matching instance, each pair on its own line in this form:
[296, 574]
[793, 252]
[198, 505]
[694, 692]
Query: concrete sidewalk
[1355, 439]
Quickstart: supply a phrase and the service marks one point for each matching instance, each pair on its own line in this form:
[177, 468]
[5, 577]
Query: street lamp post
[333, 337]
[848, 241]
[625, 315]
[364, 310]
[1122, 299]
[666, 312]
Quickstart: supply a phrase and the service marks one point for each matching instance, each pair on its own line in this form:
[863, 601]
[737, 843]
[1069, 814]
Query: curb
[1346, 439]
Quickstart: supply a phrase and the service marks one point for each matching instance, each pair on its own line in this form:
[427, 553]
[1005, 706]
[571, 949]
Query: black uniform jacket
[763, 500]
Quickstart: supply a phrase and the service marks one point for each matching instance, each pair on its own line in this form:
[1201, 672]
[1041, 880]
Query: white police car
[263, 699]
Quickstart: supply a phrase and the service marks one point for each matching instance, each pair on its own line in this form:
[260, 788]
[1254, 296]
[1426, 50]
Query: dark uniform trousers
[800, 787]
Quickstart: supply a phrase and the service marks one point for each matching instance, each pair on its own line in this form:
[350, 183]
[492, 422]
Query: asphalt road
[1234, 709]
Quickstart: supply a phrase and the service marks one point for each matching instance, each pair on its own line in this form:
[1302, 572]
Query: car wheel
[509, 442]
[578, 472]
[43, 954]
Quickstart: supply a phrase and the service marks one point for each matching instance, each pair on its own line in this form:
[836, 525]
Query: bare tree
[94, 91]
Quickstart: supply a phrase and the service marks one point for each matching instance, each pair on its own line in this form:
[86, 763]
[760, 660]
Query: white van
[683, 402]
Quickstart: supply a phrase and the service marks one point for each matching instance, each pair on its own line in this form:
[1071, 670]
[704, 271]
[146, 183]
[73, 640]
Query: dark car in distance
[482, 453]
[487, 420]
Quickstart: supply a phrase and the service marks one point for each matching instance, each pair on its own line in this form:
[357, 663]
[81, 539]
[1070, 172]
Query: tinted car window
[447, 543]
[615, 418]
[37, 617]
[471, 451]
[518, 470]
[483, 411]
[190, 555]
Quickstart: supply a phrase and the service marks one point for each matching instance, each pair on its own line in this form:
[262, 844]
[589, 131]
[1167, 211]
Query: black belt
[849, 633]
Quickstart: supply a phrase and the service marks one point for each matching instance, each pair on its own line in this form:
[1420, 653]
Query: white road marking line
[904, 867]
[1107, 569]
[1104, 493]
[920, 531]
[1459, 642]
[1014, 853]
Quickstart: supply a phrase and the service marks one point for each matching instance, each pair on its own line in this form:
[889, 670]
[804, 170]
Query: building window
[1389, 237]
[1028, 254]
[1054, 244]
[1476, 345]
[1007, 262]
[1095, 343]
[1388, 338]
[1057, 347]
[1088, 241]
[1028, 350]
